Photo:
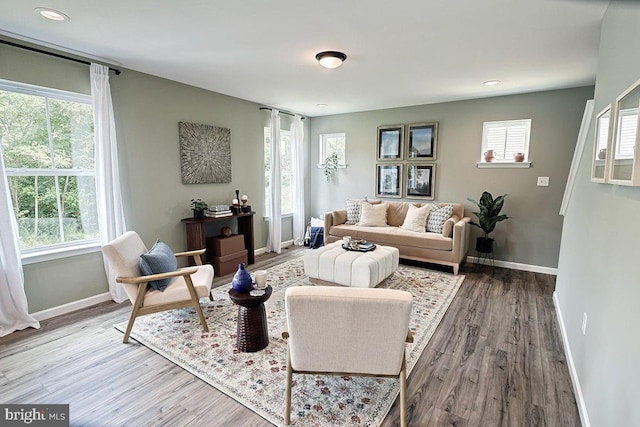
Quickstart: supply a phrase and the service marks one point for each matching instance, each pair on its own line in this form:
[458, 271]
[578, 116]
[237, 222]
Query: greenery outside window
[48, 148]
[286, 170]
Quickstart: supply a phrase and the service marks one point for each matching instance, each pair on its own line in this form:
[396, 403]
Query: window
[48, 148]
[333, 143]
[504, 140]
[286, 170]
[627, 133]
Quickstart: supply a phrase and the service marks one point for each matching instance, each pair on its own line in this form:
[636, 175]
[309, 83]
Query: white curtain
[297, 139]
[109, 201]
[14, 310]
[274, 241]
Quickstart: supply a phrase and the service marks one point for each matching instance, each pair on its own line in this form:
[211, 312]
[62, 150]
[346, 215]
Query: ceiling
[400, 53]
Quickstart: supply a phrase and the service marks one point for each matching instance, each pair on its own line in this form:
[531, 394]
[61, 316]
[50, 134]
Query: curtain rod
[283, 112]
[57, 55]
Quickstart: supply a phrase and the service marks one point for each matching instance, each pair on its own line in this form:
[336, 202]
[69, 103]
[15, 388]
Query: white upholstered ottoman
[333, 265]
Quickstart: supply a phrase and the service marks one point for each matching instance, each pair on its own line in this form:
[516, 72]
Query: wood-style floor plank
[496, 359]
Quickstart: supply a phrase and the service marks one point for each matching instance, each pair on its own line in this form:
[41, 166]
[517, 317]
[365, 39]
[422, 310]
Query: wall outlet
[543, 181]
[584, 323]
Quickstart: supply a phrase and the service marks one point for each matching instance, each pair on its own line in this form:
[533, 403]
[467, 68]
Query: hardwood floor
[496, 359]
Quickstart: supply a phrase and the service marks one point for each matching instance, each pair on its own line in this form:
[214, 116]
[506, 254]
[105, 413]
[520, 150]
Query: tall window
[48, 148]
[505, 139]
[286, 171]
[627, 129]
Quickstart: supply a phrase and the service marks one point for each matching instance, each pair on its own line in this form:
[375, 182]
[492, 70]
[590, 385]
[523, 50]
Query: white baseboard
[72, 306]
[264, 250]
[519, 266]
[577, 390]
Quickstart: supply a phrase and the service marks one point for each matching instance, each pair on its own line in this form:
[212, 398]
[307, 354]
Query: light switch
[543, 181]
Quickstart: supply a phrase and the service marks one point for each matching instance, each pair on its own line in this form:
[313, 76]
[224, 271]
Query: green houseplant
[330, 165]
[198, 206]
[488, 216]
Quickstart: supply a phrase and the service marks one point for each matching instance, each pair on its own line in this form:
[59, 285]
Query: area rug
[257, 380]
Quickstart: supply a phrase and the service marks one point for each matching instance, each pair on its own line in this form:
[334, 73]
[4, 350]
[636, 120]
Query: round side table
[252, 332]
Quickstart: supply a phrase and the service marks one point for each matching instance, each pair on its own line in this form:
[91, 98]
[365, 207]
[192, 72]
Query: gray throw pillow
[159, 259]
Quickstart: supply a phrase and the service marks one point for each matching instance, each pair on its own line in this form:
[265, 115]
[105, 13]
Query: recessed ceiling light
[491, 82]
[321, 105]
[52, 14]
[331, 58]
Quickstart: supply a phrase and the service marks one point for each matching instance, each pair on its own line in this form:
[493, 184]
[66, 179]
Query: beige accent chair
[190, 284]
[347, 331]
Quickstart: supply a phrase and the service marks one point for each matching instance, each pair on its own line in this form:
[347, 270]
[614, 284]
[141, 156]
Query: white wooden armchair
[190, 284]
[347, 331]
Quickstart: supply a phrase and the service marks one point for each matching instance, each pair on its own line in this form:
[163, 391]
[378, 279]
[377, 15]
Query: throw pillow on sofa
[416, 219]
[373, 215]
[354, 206]
[438, 215]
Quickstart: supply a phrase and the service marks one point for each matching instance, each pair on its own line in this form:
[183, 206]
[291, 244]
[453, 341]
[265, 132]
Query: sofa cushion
[354, 207]
[395, 236]
[447, 228]
[339, 217]
[438, 215]
[159, 259]
[373, 215]
[416, 219]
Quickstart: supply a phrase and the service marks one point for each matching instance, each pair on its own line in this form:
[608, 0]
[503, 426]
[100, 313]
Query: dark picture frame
[390, 142]
[420, 181]
[389, 180]
[422, 141]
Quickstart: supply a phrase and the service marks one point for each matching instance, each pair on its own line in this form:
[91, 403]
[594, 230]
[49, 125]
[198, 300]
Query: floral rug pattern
[257, 380]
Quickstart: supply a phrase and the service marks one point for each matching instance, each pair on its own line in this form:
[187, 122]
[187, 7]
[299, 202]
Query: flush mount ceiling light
[491, 82]
[331, 59]
[321, 105]
[52, 14]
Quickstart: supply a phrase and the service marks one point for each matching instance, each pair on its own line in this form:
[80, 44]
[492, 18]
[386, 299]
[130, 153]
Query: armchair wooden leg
[287, 397]
[210, 296]
[142, 290]
[196, 303]
[403, 393]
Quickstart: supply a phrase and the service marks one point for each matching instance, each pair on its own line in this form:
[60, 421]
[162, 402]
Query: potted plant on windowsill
[198, 206]
[488, 216]
[330, 165]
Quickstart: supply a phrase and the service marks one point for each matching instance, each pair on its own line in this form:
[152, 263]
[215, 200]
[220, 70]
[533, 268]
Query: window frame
[503, 163]
[61, 249]
[284, 213]
[324, 152]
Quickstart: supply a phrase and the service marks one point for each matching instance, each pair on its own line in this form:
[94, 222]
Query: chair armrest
[196, 254]
[142, 279]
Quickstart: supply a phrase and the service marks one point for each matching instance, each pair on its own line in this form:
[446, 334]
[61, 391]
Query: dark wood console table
[197, 239]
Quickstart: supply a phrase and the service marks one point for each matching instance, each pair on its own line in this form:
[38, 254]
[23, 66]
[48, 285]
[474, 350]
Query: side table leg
[252, 333]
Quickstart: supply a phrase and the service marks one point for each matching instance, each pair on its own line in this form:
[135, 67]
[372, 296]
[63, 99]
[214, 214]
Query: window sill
[58, 253]
[503, 165]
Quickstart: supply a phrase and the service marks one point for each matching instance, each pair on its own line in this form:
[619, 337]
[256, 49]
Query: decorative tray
[359, 246]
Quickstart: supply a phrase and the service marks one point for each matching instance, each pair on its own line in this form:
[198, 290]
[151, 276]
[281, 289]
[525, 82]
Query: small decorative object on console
[198, 206]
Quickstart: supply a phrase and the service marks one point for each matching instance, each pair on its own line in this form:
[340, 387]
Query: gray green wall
[532, 236]
[147, 111]
[599, 272]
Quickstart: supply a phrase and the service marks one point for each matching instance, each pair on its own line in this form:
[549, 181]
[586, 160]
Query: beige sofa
[437, 248]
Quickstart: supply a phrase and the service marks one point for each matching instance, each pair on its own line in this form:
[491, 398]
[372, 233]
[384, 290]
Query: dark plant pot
[484, 245]
[198, 214]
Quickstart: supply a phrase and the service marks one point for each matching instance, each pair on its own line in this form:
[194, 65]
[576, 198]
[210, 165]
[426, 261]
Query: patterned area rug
[257, 380]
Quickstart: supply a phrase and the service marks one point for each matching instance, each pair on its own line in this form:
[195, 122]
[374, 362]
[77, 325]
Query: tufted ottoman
[333, 265]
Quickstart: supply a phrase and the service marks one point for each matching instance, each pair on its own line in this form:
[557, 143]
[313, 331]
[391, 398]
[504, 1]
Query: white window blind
[627, 134]
[506, 138]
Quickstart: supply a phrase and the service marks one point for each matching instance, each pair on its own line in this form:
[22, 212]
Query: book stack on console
[218, 211]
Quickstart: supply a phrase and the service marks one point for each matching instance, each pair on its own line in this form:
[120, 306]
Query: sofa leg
[455, 269]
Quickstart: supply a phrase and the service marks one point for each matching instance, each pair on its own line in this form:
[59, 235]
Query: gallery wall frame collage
[404, 161]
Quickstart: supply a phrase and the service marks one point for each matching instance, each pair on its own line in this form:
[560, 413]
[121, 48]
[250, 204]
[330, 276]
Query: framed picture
[422, 141]
[390, 142]
[389, 180]
[420, 181]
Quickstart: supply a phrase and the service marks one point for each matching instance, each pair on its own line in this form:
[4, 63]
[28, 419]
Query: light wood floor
[496, 359]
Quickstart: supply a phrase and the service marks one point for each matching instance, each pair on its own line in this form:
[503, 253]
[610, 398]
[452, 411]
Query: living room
[589, 249]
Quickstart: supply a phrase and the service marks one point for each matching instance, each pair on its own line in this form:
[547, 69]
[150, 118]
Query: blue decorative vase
[242, 280]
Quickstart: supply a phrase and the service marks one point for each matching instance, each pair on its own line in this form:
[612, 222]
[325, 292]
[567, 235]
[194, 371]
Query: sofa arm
[461, 231]
[332, 218]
